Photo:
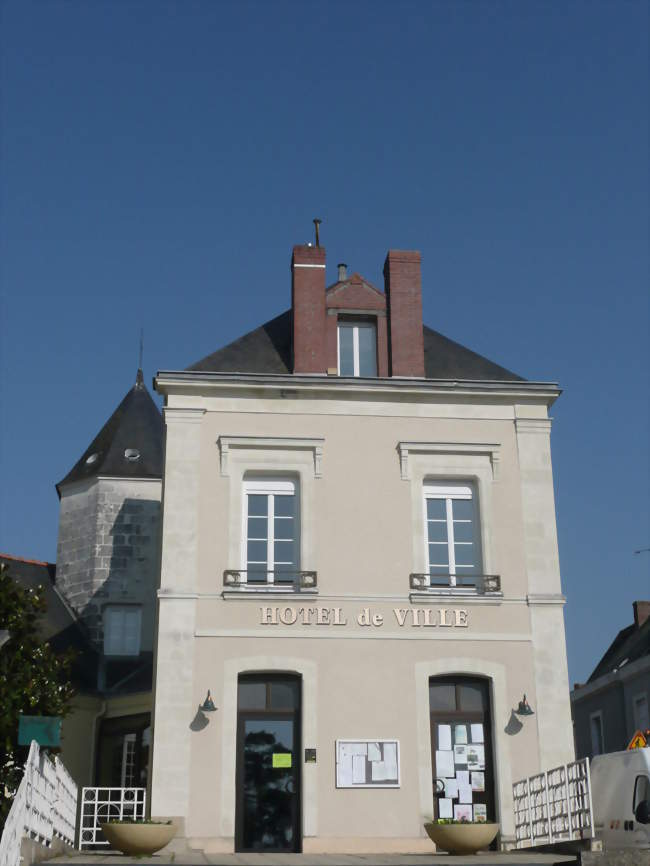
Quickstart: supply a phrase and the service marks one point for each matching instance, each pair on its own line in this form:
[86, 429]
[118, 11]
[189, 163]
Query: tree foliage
[34, 680]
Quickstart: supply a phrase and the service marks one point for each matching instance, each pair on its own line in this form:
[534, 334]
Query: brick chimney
[403, 287]
[308, 307]
[641, 612]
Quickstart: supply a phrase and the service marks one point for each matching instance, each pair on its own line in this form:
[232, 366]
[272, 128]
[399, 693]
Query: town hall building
[360, 614]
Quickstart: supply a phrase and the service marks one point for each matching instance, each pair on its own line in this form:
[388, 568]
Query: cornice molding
[533, 425]
[277, 443]
[182, 416]
[491, 450]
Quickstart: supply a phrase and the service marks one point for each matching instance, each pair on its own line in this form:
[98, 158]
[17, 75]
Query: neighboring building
[101, 593]
[359, 563]
[613, 703]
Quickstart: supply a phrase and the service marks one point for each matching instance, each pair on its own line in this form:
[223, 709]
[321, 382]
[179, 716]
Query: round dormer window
[93, 458]
[132, 454]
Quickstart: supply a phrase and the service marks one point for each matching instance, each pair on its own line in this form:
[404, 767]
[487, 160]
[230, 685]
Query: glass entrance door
[461, 748]
[268, 764]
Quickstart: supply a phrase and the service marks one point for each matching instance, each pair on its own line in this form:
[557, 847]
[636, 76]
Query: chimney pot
[343, 272]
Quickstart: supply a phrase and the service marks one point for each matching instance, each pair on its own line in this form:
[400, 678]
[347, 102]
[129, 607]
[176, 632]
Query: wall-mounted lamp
[524, 708]
[208, 704]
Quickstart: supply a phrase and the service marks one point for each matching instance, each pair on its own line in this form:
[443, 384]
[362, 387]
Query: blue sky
[160, 159]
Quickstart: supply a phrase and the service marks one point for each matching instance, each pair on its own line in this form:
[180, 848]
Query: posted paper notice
[444, 737]
[444, 763]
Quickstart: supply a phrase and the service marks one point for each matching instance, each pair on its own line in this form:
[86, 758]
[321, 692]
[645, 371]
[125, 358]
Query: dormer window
[357, 342]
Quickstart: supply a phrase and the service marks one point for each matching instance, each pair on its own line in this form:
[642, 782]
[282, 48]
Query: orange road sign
[638, 741]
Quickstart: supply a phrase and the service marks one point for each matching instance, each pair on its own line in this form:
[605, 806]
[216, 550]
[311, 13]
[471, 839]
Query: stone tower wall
[109, 534]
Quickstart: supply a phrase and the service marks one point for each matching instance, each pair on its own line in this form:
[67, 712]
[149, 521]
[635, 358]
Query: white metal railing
[44, 806]
[103, 804]
[554, 806]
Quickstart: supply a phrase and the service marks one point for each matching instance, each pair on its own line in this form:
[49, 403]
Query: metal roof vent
[92, 459]
[132, 454]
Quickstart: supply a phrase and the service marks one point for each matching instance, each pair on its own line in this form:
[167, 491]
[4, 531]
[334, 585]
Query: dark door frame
[295, 716]
[450, 717]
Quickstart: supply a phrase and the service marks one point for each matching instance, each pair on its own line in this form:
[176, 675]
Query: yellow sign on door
[281, 760]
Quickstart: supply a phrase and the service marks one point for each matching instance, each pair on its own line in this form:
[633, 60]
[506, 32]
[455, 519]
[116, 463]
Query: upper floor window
[452, 534]
[122, 626]
[597, 737]
[357, 348]
[271, 536]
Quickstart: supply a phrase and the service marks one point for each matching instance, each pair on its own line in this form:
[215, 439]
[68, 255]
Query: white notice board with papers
[367, 764]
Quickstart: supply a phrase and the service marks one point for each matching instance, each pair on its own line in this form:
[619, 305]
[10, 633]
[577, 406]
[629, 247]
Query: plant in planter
[138, 837]
[461, 837]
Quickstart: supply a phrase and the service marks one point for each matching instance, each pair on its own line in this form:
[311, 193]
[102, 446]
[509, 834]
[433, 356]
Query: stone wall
[109, 534]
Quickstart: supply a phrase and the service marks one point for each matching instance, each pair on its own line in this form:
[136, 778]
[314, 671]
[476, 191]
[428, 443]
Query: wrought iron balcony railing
[288, 581]
[477, 584]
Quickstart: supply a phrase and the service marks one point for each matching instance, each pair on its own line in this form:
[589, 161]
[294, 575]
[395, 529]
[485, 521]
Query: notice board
[367, 764]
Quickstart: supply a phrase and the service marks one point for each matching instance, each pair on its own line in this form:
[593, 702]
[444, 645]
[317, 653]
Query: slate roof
[135, 424]
[267, 349]
[58, 625]
[630, 644]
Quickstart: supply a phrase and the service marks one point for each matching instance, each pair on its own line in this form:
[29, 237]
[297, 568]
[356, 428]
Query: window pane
[257, 573]
[251, 696]
[462, 509]
[641, 791]
[367, 350]
[256, 552]
[463, 531]
[436, 508]
[258, 504]
[283, 528]
[284, 696]
[472, 697]
[464, 554]
[442, 697]
[284, 506]
[439, 555]
[257, 527]
[346, 351]
[285, 554]
[437, 530]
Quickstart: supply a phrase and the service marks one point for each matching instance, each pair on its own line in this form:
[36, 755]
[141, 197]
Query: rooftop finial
[139, 379]
[317, 223]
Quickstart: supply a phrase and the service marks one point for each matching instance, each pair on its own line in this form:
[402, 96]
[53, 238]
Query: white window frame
[449, 491]
[117, 646]
[597, 717]
[354, 326]
[270, 487]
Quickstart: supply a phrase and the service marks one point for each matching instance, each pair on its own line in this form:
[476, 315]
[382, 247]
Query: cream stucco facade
[364, 644]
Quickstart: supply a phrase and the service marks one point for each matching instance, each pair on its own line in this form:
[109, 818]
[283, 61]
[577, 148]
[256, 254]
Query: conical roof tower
[129, 445]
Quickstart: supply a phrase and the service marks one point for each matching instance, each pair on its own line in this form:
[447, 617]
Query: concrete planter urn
[137, 837]
[463, 838]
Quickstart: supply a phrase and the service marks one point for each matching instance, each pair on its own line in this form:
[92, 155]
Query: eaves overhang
[171, 382]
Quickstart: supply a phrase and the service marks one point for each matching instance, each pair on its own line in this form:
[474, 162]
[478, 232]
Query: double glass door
[268, 764]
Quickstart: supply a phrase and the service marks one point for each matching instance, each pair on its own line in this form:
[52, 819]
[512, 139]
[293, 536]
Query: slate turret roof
[267, 349]
[129, 445]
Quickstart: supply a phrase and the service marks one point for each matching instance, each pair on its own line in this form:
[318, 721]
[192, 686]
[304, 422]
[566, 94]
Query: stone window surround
[422, 462]
[273, 456]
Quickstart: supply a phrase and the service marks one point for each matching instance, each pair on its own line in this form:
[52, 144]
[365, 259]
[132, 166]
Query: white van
[620, 794]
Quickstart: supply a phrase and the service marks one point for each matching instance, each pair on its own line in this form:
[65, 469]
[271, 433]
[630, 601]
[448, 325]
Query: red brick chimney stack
[308, 304]
[641, 612]
[403, 287]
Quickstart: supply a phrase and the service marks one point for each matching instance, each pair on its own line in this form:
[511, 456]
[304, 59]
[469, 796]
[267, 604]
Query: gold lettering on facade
[288, 615]
[364, 617]
[415, 616]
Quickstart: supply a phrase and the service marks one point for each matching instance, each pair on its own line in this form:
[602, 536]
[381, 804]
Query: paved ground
[196, 858]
